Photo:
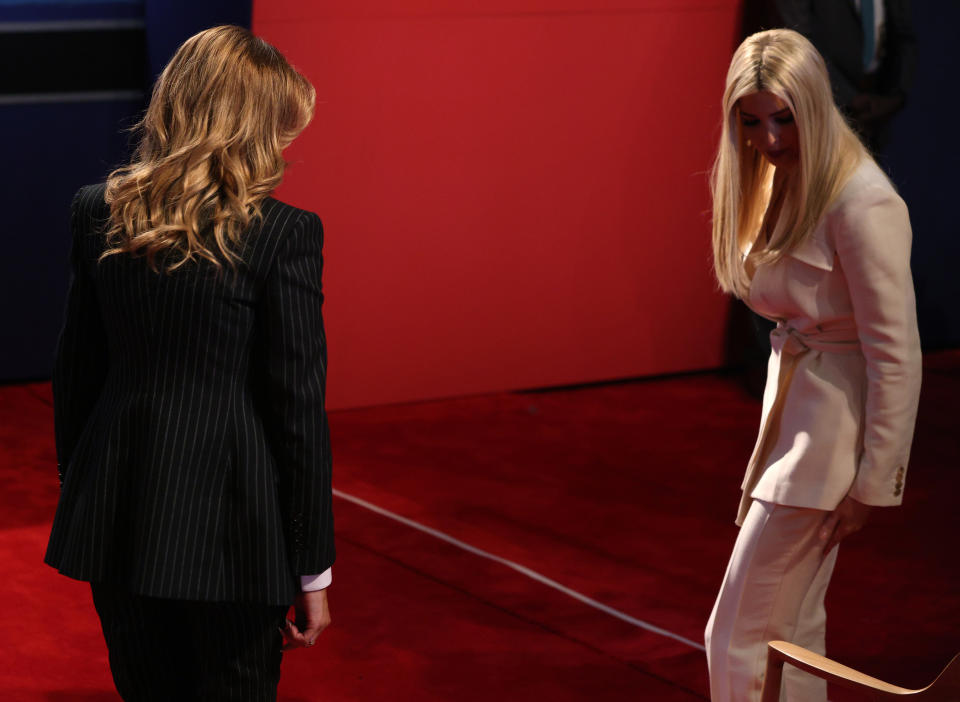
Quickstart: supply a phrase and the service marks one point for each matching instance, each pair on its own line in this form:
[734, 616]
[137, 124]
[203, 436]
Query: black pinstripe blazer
[190, 423]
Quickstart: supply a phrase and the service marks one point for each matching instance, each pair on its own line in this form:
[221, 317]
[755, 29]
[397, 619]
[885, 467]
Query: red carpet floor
[624, 493]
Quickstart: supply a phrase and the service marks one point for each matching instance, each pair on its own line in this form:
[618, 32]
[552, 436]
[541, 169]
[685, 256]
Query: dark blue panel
[922, 159]
[49, 152]
[62, 10]
[171, 22]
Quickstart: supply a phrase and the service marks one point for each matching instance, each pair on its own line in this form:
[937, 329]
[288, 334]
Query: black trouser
[173, 650]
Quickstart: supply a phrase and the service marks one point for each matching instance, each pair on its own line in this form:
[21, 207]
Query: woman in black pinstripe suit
[189, 388]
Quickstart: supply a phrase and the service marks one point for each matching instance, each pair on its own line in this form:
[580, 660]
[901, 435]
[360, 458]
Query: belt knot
[789, 340]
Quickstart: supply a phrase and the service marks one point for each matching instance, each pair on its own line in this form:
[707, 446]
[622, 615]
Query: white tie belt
[791, 342]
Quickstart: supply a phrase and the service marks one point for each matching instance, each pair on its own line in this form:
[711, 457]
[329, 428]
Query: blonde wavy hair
[786, 64]
[210, 150]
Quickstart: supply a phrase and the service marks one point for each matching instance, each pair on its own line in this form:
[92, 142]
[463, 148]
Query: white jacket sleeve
[873, 241]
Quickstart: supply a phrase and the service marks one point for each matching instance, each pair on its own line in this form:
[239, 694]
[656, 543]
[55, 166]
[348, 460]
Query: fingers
[295, 638]
[312, 617]
[848, 518]
[292, 637]
[315, 628]
[843, 530]
[828, 532]
[313, 614]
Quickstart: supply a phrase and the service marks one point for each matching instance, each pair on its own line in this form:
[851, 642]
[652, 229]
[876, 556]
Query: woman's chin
[782, 159]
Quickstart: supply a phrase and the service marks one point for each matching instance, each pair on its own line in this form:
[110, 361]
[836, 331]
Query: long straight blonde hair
[210, 150]
[787, 65]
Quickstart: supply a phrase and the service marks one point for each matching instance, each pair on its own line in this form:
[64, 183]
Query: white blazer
[843, 380]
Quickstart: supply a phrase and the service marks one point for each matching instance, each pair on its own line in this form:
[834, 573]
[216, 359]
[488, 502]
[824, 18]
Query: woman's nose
[773, 136]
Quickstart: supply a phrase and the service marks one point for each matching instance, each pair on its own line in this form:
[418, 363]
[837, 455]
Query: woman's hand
[313, 616]
[849, 517]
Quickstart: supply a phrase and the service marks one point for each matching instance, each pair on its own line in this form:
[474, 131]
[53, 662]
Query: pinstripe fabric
[163, 650]
[190, 423]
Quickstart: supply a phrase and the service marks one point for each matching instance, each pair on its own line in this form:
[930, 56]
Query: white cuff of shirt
[311, 583]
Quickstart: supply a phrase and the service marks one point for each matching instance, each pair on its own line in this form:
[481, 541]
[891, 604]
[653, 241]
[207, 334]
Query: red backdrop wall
[513, 191]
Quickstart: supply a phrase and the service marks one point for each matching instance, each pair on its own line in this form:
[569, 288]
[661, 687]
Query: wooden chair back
[946, 688]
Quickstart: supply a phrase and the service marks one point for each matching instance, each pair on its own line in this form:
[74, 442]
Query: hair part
[210, 150]
[784, 63]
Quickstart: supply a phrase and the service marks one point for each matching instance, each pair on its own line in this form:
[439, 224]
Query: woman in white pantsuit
[808, 231]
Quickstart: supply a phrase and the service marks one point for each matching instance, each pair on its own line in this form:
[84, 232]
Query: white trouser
[774, 587]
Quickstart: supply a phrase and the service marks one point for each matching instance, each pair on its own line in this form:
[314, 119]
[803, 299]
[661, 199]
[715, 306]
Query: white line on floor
[532, 574]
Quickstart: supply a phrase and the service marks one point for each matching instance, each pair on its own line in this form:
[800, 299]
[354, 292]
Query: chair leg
[772, 677]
